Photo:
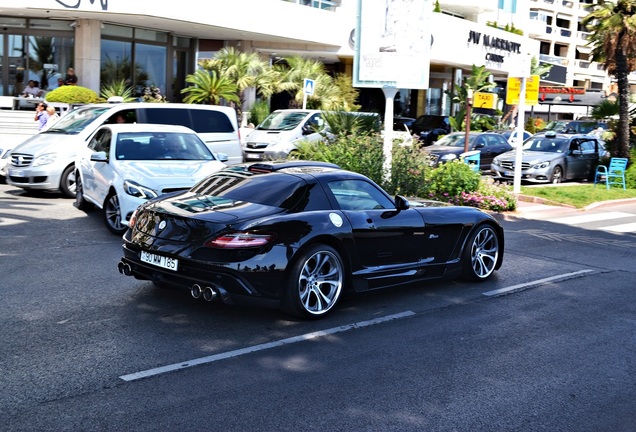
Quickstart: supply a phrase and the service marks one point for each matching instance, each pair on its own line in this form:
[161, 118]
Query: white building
[159, 42]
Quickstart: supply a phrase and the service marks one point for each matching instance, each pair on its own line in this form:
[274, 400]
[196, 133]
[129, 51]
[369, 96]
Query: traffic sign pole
[520, 128]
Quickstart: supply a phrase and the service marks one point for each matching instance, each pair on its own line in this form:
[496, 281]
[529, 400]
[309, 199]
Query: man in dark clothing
[71, 78]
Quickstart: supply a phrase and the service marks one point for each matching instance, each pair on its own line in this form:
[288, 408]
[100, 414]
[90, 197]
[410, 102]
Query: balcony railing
[330, 5]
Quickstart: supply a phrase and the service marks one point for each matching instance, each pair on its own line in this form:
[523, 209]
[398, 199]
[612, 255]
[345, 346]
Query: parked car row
[46, 161]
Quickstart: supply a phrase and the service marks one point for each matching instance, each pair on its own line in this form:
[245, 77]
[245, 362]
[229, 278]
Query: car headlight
[44, 159]
[448, 157]
[137, 190]
[541, 165]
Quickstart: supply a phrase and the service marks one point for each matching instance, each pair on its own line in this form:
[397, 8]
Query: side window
[101, 141]
[574, 145]
[480, 140]
[589, 146]
[204, 120]
[359, 195]
[168, 116]
[315, 122]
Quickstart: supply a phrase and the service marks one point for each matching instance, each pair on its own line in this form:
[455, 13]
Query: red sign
[563, 90]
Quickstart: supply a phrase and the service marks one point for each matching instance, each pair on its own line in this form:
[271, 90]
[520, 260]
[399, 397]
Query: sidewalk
[531, 207]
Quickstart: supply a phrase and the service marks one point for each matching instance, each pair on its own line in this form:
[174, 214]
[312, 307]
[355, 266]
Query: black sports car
[294, 235]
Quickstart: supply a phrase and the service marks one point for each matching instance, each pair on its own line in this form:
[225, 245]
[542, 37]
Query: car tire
[557, 175]
[67, 182]
[80, 202]
[481, 253]
[112, 214]
[315, 282]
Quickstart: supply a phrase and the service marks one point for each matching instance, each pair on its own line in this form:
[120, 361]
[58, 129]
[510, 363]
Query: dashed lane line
[536, 282]
[261, 347]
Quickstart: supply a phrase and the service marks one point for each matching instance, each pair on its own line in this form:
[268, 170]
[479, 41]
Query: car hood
[168, 174]
[444, 149]
[530, 157]
[48, 143]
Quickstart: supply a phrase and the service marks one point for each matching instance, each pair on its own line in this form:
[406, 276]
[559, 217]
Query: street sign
[308, 86]
[532, 90]
[485, 100]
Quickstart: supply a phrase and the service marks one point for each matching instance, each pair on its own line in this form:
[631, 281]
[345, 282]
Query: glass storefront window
[116, 63]
[117, 31]
[151, 35]
[152, 60]
[48, 58]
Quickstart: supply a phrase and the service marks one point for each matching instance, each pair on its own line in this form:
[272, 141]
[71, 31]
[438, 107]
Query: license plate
[509, 173]
[16, 173]
[254, 155]
[160, 261]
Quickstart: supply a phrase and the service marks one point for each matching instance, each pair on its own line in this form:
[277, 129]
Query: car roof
[146, 127]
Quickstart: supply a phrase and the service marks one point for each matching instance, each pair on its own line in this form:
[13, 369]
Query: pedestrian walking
[41, 116]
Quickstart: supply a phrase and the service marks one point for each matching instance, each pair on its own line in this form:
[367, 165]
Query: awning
[584, 49]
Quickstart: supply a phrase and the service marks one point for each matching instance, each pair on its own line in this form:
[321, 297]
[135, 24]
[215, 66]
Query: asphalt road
[547, 345]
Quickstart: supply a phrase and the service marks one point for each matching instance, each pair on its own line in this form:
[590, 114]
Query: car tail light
[133, 219]
[239, 240]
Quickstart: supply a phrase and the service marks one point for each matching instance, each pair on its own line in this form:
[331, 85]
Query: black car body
[551, 158]
[451, 147]
[428, 128]
[295, 234]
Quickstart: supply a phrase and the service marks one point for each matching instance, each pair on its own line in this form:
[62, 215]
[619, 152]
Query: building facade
[152, 43]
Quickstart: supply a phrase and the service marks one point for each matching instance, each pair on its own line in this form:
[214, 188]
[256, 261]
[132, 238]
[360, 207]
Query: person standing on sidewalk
[41, 116]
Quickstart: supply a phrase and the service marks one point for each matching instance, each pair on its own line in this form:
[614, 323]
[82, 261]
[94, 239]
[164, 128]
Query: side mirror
[222, 157]
[401, 203]
[99, 157]
[479, 145]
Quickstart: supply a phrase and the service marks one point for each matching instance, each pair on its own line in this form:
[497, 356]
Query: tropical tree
[478, 81]
[241, 69]
[209, 88]
[293, 73]
[612, 25]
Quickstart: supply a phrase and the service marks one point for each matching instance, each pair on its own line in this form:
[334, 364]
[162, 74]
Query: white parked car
[46, 160]
[126, 164]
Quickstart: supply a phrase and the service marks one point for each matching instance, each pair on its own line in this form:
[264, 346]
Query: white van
[276, 137]
[46, 161]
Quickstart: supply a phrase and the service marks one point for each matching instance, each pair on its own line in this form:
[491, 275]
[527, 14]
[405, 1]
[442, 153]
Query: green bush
[259, 111]
[630, 173]
[72, 94]
[411, 176]
[450, 179]
[118, 88]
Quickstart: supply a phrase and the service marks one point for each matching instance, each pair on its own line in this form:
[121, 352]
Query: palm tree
[242, 69]
[613, 40]
[293, 74]
[209, 88]
[478, 81]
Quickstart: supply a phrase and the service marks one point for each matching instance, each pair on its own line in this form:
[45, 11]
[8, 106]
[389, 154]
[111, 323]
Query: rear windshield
[276, 190]
[76, 120]
[199, 120]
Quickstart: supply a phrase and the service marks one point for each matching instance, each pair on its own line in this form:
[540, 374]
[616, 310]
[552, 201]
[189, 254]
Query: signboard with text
[514, 89]
[392, 44]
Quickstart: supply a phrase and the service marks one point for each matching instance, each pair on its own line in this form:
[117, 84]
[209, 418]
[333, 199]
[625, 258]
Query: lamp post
[469, 106]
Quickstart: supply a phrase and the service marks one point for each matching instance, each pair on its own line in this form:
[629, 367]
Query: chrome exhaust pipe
[124, 268]
[209, 293]
[196, 291]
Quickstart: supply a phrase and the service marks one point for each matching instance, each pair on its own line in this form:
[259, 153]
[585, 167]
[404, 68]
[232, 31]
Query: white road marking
[624, 228]
[574, 220]
[536, 282]
[261, 347]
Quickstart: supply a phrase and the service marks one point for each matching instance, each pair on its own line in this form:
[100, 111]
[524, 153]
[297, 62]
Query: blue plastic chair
[473, 159]
[614, 174]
